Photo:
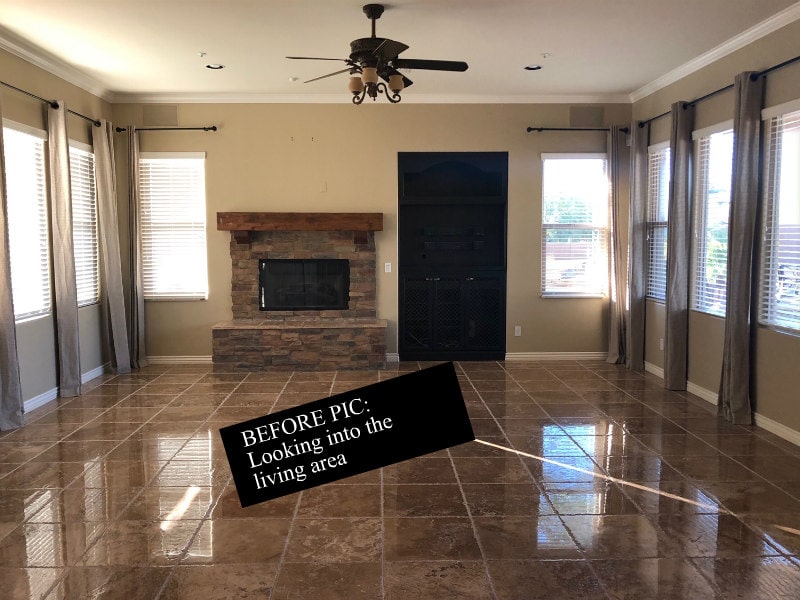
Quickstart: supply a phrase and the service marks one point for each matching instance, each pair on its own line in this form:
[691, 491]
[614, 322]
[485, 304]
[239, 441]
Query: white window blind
[575, 205]
[712, 201]
[26, 189]
[173, 226]
[84, 225]
[656, 225]
[779, 304]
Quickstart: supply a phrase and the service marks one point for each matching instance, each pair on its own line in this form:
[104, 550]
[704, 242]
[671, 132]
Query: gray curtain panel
[138, 353]
[679, 236]
[618, 253]
[108, 238]
[637, 247]
[11, 403]
[65, 290]
[734, 402]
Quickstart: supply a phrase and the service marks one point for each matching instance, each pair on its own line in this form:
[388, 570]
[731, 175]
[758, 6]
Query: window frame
[195, 226]
[652, 225]
[770, 272]
[604, 230]
[701, 292]
[43, 242]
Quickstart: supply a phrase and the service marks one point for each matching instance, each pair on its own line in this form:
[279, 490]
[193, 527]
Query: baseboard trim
[654, 369]
[782, 431]
[521, 356]
[692, 388]
[702, 393]
[179, 360]
[94, 373]
[767, 424]
[40, 400]
[50, 395]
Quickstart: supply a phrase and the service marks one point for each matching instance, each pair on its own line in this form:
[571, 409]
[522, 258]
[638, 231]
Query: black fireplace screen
[303, 284]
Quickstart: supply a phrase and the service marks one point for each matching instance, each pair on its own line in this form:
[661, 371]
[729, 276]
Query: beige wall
[272, 157]
[776, 376]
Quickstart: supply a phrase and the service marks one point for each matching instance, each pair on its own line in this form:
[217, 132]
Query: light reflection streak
[609, 478]
[787, 529]
[180, 508]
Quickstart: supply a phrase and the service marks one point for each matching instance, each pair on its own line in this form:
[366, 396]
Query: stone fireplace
[347, 337]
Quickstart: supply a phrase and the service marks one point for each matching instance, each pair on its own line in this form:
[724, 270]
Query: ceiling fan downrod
[373, 12]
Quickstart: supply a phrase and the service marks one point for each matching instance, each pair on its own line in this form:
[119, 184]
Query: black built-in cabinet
[452, 255]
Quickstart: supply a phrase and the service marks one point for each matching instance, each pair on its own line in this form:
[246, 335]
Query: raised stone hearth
[352, 338]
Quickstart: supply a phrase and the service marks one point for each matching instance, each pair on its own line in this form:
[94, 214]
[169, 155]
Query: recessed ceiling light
[293, 79]
[533, 67]
[215, 66]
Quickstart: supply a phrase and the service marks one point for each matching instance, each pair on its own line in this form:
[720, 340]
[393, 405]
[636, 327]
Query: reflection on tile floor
[618, 489]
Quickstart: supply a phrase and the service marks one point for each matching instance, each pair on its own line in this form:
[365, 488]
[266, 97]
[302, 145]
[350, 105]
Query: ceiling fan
[376, 57]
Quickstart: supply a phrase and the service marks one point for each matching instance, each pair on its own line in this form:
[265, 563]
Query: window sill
[781, 330]
[177, 299]
[30, 318]
[571, 295]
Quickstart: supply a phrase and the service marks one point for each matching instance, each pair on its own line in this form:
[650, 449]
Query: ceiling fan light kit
[372, 59]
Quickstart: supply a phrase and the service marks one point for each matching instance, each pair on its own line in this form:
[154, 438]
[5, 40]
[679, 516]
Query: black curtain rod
[785, 63]
[625, 129]
[52, 103]
[209, 128]
[754, 76]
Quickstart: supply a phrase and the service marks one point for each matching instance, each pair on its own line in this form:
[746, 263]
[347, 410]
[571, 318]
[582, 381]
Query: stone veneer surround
[310, 339]
[302, 244]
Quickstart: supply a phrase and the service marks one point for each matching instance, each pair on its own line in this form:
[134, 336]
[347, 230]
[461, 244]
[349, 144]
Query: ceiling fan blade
[329, 75]
[316, 58]
[431, 65]
[389, 49]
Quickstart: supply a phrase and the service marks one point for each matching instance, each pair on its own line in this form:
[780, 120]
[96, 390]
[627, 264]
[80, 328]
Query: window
[27, 211]
[780, 267]
[712, 201]
[84, 224]
[173, 225]
[658, 174]
[574, 225]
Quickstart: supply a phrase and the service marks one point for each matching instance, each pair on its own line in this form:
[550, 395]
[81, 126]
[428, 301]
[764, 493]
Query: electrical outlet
[661, 344]
[517, 330]
[387, 267]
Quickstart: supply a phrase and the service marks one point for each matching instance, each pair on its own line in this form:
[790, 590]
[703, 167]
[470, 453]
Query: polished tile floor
[617, 489]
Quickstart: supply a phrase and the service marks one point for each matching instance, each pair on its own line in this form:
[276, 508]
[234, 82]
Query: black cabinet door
[484, 301]
[452, 317]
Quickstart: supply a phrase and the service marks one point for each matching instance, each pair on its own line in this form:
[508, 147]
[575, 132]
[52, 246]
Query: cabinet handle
[470, 279]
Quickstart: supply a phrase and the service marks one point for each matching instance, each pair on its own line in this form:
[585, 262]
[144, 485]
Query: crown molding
[785, 17]
[13, 44]
[411, 98]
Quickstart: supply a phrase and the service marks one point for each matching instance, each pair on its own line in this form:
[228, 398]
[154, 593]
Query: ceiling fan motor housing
[362, 51]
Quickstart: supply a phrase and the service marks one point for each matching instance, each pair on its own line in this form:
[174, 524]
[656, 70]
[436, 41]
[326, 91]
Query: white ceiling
[599, 50]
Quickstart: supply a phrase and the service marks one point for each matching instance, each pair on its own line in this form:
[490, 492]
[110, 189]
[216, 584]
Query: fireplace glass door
[303, 284]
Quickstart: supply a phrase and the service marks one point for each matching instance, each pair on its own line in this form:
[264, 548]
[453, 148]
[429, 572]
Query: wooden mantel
[299, 221]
